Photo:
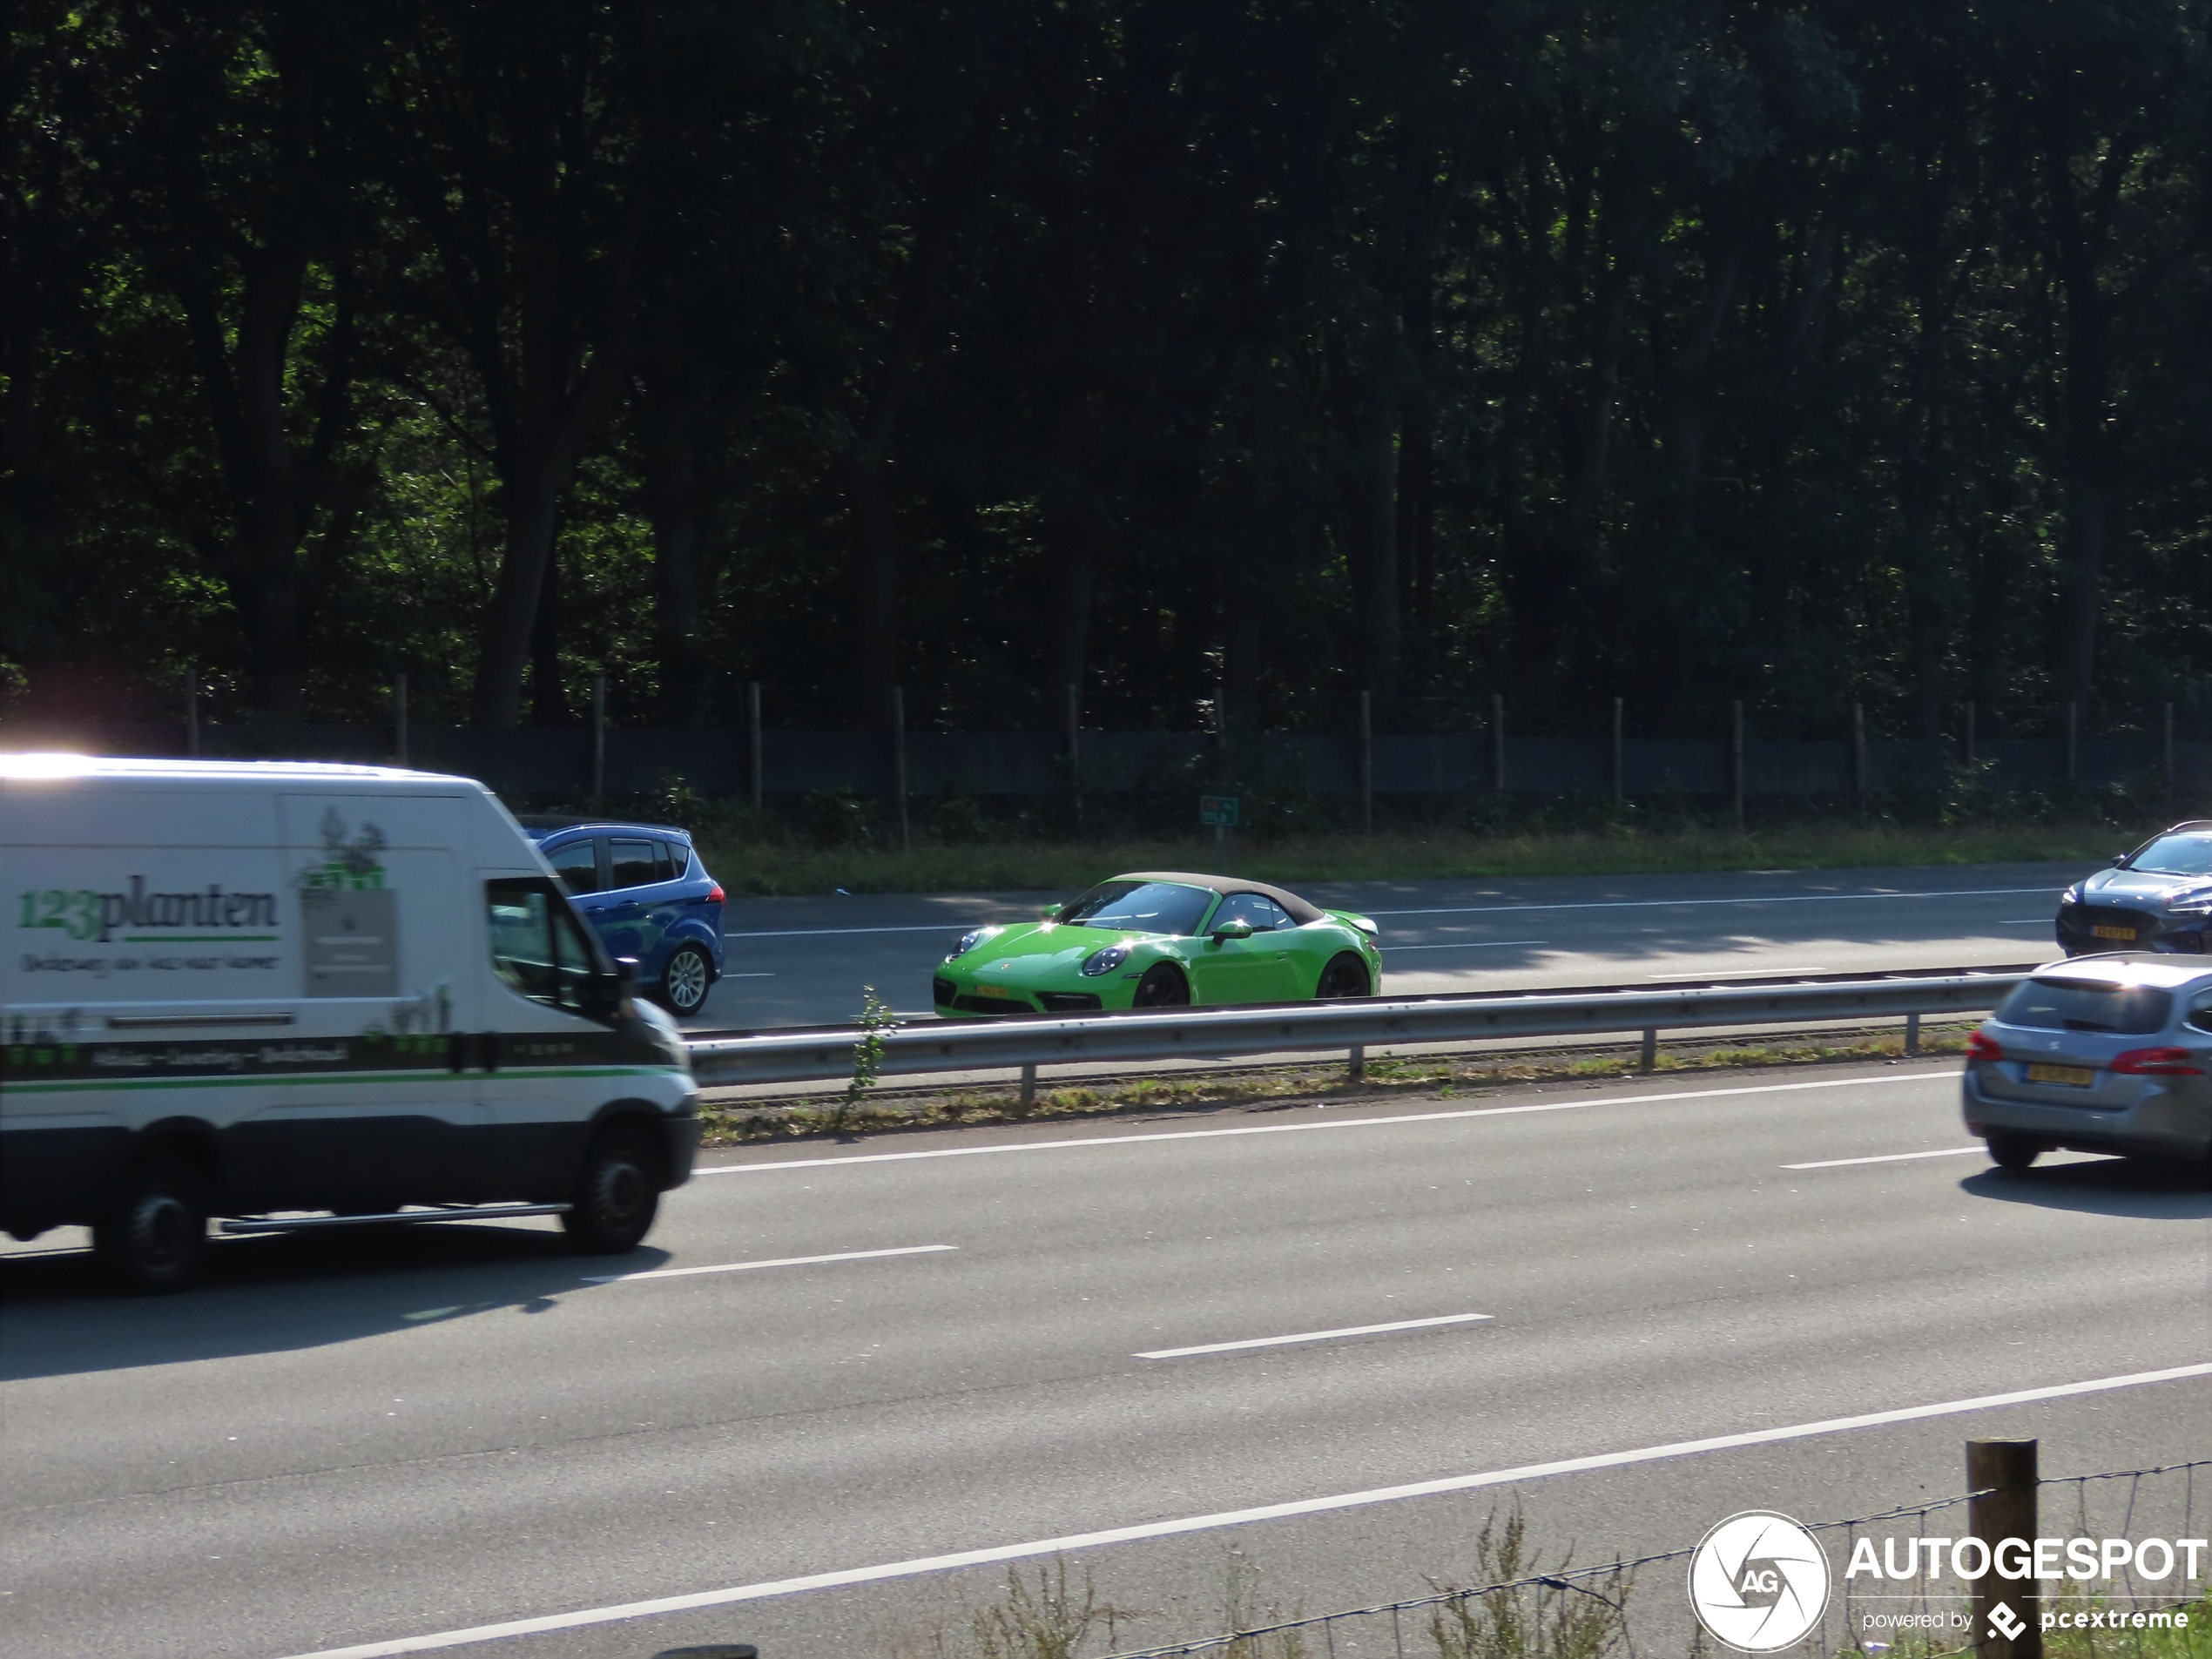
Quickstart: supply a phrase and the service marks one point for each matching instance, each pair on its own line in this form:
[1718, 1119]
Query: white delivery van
[253, 990]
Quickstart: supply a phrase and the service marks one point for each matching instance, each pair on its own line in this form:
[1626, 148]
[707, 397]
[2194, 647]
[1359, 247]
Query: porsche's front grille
[994, 1005]
[1069, 1002]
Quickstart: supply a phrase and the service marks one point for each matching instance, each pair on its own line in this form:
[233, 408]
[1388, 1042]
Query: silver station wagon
[2099, 1054]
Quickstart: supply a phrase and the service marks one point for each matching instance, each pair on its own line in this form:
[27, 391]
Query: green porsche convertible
[1162, 939]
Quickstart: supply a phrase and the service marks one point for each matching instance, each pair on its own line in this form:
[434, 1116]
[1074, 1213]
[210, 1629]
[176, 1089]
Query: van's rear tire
[616, 1197]
[155, 1238]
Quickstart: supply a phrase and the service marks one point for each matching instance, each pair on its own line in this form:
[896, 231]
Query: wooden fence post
[1735, 757]
[1618, 787]
[599, 737]
[2001, 1475]
[1076, 751]
[899, 764]
[755, 766]
[1367, 762]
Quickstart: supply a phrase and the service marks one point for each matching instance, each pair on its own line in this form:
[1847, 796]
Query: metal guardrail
[1353, 1025]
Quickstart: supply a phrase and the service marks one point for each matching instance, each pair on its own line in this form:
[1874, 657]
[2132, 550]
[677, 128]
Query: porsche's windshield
[1141, 907]
[2175, 855]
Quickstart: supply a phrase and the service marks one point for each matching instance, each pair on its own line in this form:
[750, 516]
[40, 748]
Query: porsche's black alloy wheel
[1161, 987]
[2012, 1151]
[156, 1236]
[1345, 975]
[617, 1199]
[686, 979]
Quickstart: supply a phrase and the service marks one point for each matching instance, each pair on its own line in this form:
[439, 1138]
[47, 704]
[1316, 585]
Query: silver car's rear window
[2086, 1005]
[2175, 855]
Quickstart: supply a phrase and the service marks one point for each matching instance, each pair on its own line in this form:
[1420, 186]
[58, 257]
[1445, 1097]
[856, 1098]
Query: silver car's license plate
[2073, 1077]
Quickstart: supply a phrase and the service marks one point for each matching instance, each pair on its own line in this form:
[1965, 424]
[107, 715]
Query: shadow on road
[2102, 1187]
[59, 1317]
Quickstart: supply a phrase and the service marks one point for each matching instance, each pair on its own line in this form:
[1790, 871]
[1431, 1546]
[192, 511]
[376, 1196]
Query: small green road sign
[1218, 809]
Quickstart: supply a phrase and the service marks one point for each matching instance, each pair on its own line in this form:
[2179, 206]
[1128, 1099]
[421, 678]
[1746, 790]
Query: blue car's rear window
[1141, 907]
[2086, 1005]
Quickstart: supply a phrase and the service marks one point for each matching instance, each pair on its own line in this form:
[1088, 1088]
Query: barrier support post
[1647, 1057]
[1359, 1068]
[2008, 1615]
[1912, 1036]
[1028, 1087]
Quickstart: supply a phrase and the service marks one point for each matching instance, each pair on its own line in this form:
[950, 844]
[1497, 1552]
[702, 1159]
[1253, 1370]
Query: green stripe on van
[77, 1086]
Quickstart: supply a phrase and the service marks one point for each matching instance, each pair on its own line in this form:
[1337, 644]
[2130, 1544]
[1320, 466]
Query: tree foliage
[1252, 350]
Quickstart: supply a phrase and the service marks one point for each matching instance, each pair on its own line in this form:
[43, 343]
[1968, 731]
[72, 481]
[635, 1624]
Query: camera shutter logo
[1759, 1582]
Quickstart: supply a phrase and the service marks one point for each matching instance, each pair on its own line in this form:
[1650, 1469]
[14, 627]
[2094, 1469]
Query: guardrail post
[1028, 1087]
[2009, 1623]
[1358, 1070]
[598, 736]
[755, 768]
[399, 717]
[1648, 1059]
[1913, 1035]
[192, 717]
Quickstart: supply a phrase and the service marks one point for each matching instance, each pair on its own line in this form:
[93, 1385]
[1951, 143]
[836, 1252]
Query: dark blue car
[644, 889]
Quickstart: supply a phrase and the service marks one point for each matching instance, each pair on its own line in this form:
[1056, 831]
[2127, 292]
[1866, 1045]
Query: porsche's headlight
[968, 941]
[1105, 961]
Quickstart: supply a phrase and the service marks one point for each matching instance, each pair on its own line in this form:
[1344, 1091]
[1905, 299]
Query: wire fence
[1586, 1613]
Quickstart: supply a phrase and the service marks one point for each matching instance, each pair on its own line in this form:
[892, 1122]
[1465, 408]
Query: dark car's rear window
[1141, 907]
[2175, 855]
[2086, 1005]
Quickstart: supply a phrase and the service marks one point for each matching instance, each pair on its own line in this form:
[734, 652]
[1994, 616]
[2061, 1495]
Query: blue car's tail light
[1105, 961]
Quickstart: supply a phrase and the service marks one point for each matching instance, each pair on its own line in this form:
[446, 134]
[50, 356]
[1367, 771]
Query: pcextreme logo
[1759, 1582]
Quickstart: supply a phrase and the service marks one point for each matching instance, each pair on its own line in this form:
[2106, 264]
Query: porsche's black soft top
[1301, 911]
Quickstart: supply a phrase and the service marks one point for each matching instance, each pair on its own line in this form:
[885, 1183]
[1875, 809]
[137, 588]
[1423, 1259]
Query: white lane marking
[2027, 922]
[1945, 1076]
[1660, 979]
[1675, 904]
[1235, 1518]
[1470, 944]
[784, 1261]
[745, 975]
[1313, 1335]
[1888, 1157]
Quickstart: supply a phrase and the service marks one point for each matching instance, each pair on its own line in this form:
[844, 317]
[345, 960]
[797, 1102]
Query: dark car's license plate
[2076, 1076]
[2112, 933]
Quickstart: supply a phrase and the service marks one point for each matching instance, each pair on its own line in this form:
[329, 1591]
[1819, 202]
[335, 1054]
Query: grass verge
[744, 1122]
[771, 867]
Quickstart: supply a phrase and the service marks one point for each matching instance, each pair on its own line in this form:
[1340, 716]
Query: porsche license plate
[2112, 932]
[2074, 1076]
[994, 990]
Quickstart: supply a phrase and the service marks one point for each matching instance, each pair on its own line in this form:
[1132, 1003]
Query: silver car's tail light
[2157, 1063]
[1982, 1046]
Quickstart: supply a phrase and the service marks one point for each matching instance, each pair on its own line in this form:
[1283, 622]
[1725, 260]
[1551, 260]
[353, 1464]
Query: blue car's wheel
[686, 979]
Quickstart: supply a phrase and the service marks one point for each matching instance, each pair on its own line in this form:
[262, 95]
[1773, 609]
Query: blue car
[645, 891]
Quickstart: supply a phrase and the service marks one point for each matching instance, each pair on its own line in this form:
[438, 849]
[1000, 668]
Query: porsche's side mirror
[1051, 912]
[1232, 930]
[2121, 862]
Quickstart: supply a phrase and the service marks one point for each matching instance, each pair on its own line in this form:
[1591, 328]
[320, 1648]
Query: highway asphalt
[352, 1444]
[803, 961]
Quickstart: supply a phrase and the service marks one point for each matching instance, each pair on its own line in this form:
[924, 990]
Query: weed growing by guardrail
[876, 1018]
[1553, 1618]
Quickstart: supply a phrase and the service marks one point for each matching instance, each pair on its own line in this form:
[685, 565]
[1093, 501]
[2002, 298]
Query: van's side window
[537, 946]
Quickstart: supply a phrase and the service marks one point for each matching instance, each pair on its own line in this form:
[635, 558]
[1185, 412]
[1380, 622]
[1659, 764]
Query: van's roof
[29, 767]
